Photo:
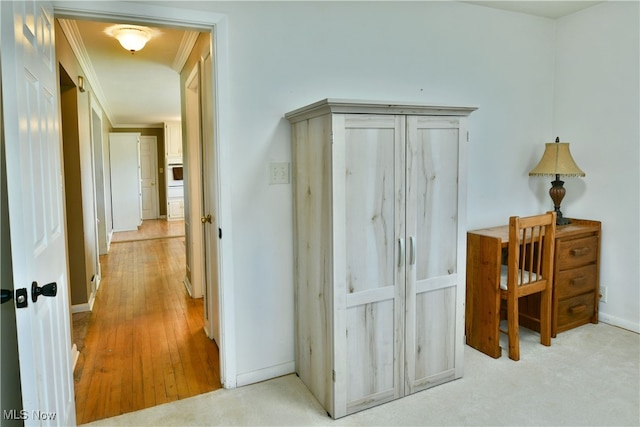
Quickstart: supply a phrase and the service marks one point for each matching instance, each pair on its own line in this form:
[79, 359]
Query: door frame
[193, 205]
[217, 24]
[97, 145]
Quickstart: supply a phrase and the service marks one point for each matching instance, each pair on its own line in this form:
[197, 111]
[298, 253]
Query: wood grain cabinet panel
[379, 214]
[576, 284]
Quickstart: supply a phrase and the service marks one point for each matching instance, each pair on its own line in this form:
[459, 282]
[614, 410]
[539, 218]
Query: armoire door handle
[412, 257]
[401, 246]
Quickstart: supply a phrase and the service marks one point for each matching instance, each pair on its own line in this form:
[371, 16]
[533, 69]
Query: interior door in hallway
[149, 176]
[31, 125]
[210, 203]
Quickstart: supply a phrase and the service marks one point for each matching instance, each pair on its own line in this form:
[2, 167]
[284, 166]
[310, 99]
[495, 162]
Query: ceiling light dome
[131, 37]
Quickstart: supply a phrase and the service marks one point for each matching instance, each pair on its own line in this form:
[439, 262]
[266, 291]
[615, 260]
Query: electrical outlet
[279, 173]
[603, 294]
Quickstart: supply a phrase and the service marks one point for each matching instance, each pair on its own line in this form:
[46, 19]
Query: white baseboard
[109, 237]
[266, 373]
[616, 321]
[88, 306]
[75, 354]
[187, 285]
[80, 308]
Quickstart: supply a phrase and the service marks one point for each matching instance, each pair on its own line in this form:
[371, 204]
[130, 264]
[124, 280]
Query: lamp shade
[557, 160]
[132, 38]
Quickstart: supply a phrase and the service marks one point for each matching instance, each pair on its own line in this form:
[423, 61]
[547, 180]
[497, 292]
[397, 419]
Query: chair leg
[513, 331]
[545, 317]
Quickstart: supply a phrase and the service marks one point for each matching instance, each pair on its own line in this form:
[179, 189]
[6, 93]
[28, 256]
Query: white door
[193, 213]
[148, 176]
[100, 177]
[34, 180]
[210, 197]
[126, 202]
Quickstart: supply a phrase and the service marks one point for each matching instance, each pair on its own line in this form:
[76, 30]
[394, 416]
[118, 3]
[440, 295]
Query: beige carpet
[590, 376]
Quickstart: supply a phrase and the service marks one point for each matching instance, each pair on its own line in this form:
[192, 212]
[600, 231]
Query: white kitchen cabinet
[379, 223]
[175, 209]
[126, 193]
[175, 203]
[173, 142]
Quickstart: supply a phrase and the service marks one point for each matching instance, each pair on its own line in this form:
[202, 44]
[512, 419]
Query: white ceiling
[143, 89]
[135, 90]
[553, 9]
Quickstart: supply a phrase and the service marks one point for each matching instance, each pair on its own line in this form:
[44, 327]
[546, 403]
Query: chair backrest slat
[532, 241]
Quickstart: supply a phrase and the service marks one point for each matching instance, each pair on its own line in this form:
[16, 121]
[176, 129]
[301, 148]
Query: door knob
[206, 219]
[48, 290]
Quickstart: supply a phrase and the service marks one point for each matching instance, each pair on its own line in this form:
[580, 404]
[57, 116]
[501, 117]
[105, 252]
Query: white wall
[597, 109]
[283, 55]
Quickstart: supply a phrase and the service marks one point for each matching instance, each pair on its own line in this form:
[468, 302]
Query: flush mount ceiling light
[132, 37]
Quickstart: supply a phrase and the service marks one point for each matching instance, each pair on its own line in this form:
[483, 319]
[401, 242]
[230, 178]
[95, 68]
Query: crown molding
[184, 50]
[72, 33]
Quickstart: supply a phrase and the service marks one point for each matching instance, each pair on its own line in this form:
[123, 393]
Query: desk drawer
[574, 253]
[576, 281]
[576, 310]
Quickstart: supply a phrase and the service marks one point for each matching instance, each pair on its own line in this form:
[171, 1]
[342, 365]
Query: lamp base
[557, 192]
[561, 220]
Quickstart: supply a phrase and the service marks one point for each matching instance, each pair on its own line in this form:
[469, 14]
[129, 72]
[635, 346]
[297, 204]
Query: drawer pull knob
[578, 308]
[580, 251]
[578, 280]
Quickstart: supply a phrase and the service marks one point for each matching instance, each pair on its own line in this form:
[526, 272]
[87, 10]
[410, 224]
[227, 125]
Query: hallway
[144, 343]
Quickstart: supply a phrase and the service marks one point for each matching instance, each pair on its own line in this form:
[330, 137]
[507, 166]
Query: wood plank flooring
[145, 344]
[151, 229]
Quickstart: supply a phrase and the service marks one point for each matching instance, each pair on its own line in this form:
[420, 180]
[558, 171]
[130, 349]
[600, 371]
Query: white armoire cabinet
[379, 219]
[126, 191]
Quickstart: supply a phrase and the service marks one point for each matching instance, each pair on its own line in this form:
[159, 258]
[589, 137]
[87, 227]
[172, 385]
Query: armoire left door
[369, 164]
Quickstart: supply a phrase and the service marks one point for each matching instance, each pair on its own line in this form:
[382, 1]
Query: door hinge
[333, 375]
[219, 233]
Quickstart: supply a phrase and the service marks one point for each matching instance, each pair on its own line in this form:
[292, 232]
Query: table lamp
[556, 160]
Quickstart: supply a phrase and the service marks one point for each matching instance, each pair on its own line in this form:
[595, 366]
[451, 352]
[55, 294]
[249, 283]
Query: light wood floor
[144, 343]
[151, 229]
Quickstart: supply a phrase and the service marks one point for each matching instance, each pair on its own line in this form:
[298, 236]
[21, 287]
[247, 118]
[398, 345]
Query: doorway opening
[185, 247]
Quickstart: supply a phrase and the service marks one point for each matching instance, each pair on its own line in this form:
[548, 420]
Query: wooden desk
[575, 283]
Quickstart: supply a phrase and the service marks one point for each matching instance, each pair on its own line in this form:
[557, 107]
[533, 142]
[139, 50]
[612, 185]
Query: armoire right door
[435, 203]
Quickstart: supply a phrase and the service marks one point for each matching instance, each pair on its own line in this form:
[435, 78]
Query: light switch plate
[279, 173]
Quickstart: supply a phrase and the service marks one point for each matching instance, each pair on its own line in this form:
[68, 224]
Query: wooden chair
[529, 270]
